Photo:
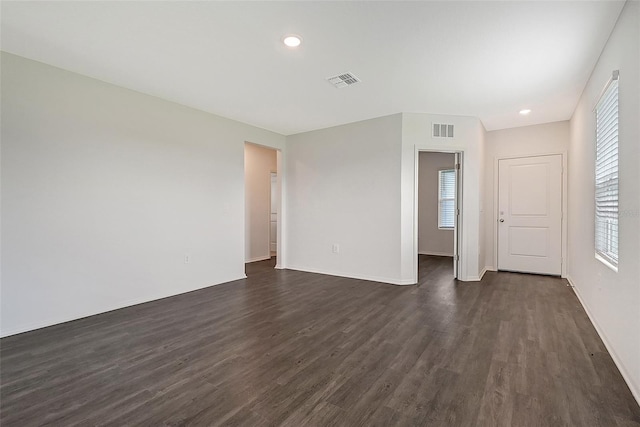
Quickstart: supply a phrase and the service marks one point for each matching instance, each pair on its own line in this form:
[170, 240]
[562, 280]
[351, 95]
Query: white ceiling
[478, 58]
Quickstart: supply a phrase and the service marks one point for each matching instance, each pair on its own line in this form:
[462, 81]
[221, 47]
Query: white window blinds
[606, 175]
[446, 198]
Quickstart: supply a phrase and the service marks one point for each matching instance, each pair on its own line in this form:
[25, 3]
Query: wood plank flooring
[300, 349]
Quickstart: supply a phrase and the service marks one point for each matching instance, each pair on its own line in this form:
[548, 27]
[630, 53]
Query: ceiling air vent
[442, 130]
[343, 80]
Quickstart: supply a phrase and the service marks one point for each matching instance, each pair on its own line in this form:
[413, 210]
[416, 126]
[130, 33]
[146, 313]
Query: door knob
[501, 219]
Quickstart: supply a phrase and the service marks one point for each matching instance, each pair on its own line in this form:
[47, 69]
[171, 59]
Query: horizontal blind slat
[446, 196]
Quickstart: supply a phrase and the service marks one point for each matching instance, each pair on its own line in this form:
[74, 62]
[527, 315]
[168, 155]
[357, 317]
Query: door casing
[495, 215]
[457, 253]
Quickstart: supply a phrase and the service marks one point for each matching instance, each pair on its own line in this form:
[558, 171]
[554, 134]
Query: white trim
[565, 214]
[565, 202]
[477, 278]
[417, 149]
[281, 229]
[606, 262]
[137, 301]
[625, 375]
[386, 280]
[435, 253]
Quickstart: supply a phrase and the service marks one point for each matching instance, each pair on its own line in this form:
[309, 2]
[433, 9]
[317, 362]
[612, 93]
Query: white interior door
[530, 214]
[457, 207]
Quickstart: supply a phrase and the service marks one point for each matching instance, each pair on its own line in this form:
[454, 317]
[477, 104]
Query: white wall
[344, 188]
[259, 162]
[611, 299]
[104, 190]
[416, 135]
[355, 185]
[431, 239]
[549, 138]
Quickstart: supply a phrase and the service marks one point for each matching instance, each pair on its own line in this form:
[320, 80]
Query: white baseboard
[435, 253]
[635, 391]
[481, 275]
[475, 278]
[387, 280]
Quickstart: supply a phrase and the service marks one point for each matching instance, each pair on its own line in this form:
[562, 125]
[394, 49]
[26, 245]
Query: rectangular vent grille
[442, 130]
[343, 80]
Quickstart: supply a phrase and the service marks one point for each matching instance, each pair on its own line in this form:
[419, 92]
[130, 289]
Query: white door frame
[280, 230]
[459, 154]
[496, 161]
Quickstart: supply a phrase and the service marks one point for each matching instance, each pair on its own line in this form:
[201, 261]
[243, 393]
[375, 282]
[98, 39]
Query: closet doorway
[438, 213]
[263, 190]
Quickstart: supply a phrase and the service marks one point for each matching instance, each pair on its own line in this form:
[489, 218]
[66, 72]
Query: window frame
[441, 172]
[607, 175]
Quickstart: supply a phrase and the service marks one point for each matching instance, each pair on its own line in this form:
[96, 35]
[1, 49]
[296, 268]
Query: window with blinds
[606, 175]
[446, 198]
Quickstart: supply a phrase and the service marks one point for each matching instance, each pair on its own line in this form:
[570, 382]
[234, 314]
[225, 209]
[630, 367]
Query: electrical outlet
[335, 248]
[187, 258]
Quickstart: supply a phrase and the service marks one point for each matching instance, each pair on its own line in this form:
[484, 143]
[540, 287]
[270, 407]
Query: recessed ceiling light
[292, 40]
[524, 112]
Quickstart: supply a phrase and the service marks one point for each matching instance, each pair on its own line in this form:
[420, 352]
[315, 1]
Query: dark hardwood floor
[293, 348]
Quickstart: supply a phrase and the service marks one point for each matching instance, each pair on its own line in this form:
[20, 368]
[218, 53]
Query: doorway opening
[273, 215]
[438, 201]
[263, 190]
